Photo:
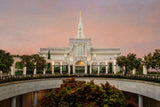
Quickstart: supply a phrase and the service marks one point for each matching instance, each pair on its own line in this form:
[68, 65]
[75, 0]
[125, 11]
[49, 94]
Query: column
[85, 68]
[44, 71]
[13, 101]
[60, 67]
[98, 68]
[24, 70]
[13, 70]
[106, 68]
[124, 70]
[74, 69]
[144, 70]
[1, 73]
[114, 67]
[34, 99]
[69, 69]
[134, 71]
[35, 71]
[52, 67]
[90, 68]
[140, 101]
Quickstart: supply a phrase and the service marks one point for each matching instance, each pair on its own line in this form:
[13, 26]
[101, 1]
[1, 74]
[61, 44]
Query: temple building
[80, 57]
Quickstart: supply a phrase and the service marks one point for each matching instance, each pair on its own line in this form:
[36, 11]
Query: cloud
[27, 25]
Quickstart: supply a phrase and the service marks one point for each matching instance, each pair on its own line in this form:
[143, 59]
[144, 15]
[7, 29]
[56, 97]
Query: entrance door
[80, 67]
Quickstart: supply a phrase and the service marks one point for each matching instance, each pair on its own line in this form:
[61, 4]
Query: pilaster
[106, 67]
[85, 68]
[24, 70]
[60, 67]
[69, 70]
[90, 68]
[98, 68]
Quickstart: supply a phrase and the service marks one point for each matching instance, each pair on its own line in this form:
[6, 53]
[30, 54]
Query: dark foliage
[6, 61]
[74, 93]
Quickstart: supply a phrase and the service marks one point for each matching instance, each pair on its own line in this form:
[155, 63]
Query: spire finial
[80, 28]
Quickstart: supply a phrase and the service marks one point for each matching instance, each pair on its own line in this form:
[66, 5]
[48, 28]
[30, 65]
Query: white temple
[80, 57]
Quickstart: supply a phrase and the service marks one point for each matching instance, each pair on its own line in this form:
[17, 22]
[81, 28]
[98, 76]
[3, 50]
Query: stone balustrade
[12, 89]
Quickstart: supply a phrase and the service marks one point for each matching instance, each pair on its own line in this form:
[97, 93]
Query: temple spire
[80, 19]
[80, 28]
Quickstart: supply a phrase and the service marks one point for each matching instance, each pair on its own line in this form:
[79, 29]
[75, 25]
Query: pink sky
[28, 25]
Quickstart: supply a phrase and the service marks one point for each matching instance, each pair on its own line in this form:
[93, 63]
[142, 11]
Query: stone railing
[150, 78]
[16, 88]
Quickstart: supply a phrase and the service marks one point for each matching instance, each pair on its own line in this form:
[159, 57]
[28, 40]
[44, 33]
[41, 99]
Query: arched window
[80, 50]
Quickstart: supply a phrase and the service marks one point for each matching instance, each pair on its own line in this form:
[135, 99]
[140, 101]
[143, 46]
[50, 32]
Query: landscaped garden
[73, 93]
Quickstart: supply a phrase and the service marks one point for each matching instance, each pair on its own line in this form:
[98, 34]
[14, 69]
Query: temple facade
[81, 57]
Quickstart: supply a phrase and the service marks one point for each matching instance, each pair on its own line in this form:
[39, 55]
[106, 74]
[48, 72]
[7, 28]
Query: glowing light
[80, 63]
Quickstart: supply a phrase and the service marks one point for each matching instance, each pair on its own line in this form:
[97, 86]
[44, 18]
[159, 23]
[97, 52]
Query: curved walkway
[11, 89]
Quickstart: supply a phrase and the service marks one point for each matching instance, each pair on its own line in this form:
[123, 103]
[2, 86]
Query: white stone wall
[89, 55]
[75, 46]
[148, 89]
[104, 57]
[57, 57]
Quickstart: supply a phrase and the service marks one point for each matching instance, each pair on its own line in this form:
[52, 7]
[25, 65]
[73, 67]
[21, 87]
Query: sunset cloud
[28, 25]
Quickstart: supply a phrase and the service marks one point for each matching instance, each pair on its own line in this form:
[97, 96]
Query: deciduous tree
[152, 60]
[6, 61]
[74, 93]
[129, 62]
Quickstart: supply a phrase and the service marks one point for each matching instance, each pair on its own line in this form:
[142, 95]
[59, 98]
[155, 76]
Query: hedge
[149, 78]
